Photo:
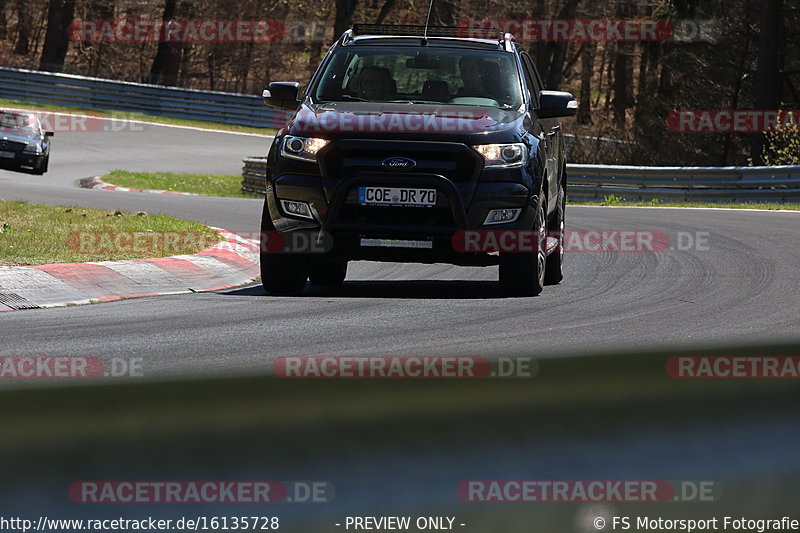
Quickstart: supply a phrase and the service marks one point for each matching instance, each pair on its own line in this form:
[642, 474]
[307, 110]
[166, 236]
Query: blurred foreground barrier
[595, 182]
[407, 446]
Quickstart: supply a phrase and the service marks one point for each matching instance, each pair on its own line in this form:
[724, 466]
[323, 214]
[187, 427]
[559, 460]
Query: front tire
[554, 271]
[42, 168]
[282, 274]
[522, 274]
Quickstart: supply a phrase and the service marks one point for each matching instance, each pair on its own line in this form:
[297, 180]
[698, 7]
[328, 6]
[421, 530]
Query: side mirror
[49, 133]
[282, 94]
[556, 104]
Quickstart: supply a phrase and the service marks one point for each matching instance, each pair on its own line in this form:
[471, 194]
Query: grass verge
[35, 234]
[614, 201]
[203, 184]
[126, 115]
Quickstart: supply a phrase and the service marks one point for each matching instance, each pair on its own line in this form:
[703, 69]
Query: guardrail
[596, 182]
[585, 182]
[254, 175]
[730, 184]
[96, 93]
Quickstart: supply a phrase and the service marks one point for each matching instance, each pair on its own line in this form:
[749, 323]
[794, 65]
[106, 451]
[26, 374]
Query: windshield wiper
[416, 102]
[355, 98]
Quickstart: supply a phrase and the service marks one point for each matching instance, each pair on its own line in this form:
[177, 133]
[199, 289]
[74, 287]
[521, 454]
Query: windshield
[421, 75]
[25, 122]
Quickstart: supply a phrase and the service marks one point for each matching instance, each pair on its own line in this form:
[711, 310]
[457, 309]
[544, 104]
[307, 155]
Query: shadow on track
[423, 289]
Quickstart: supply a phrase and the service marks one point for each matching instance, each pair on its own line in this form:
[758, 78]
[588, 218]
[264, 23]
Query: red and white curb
[230, 263]
[97, 183]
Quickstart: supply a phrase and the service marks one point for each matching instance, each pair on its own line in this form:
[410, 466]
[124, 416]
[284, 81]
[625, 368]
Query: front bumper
[22, 159]
[336, 210]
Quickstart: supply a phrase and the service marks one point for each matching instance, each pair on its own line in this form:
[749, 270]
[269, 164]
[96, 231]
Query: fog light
[298, 209]
[502, 216]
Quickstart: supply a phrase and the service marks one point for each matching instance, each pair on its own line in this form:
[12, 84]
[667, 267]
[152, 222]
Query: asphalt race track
[742, 288]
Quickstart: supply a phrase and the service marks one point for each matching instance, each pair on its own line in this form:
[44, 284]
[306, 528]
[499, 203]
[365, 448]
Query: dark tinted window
[429, 75]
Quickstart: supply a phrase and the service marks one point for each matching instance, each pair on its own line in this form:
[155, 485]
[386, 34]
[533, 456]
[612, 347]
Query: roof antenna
[424, 41]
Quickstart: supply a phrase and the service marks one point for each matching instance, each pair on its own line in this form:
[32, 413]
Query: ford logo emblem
[399, 163]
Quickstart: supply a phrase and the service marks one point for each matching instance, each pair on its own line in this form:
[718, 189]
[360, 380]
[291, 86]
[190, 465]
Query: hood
[20, 136]
[381, 120]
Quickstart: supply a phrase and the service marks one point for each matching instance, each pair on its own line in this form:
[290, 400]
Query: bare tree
[587, 70]
[557, 51]
[167, 61]
[98, 10]
[344, 16]
[60, 14]
[24, 26]
[767, 81]
[444, 12]
[3, 20]
[387, 7]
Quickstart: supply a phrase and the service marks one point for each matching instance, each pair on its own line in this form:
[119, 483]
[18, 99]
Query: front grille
[369, 215]
[454, 161]
[11, 146]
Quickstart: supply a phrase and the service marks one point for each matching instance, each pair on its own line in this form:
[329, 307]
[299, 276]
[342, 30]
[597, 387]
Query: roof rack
[408, 30]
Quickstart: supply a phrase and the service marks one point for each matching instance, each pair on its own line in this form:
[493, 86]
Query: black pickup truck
[406, 140]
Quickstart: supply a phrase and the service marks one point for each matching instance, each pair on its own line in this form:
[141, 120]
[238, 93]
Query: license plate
[395, 243]
[8, 155]
[397, 196]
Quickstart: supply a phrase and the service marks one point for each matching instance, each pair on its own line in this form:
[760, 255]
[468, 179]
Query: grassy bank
[203, 184]
[35, 234]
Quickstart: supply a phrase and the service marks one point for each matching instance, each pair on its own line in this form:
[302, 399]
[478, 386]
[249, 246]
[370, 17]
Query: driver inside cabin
[376, 84]
[473, 72]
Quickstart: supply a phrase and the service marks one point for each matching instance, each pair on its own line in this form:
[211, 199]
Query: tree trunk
[444, 13]
[621, 84]
[587, 69]
[3, 23]
[623, 73]
[166, 52]
[767, 80]
[387, 6]
[344, 17]
[559, 50]
[99, 10]
[24, 26]
[56, 40]
[737, 88]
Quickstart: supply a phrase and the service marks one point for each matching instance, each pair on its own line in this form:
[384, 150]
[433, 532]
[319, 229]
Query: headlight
[503, 155]
[32, 149]
[302, 148]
